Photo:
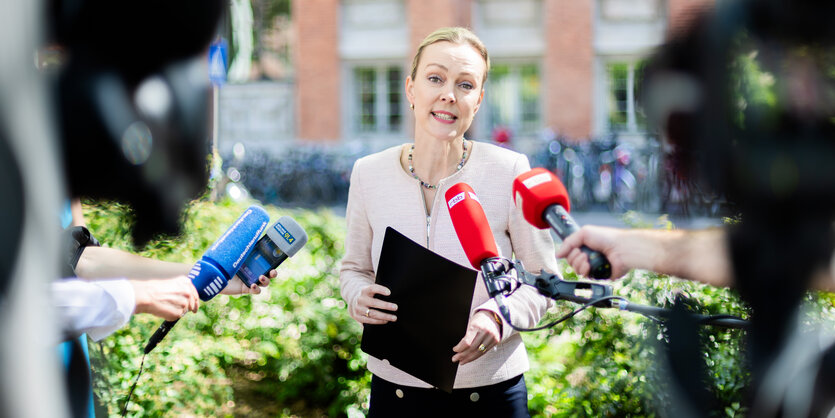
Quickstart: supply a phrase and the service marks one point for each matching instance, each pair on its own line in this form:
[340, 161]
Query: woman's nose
[448, 96]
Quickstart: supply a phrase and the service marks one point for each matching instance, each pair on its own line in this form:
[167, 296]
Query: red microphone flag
[534, 191]
[470, 223]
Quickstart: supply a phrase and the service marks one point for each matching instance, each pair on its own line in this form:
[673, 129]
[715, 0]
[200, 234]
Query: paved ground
[609, 219]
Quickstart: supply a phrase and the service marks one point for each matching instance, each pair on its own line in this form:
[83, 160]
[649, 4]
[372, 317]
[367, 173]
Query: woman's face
[447, 89]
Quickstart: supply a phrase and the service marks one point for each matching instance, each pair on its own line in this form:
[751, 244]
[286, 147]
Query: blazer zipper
[428, 217]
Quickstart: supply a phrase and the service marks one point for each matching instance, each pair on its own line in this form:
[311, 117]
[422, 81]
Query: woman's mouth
[444, 117]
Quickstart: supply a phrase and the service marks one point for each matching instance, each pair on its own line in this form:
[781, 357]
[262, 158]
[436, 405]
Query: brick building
[569, 65]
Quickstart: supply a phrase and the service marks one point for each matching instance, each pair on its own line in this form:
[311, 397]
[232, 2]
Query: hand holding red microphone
[544, 202]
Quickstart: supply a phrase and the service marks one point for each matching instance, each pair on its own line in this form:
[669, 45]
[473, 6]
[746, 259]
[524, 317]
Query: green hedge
[294, 351]
[290, 350]
[604, 362]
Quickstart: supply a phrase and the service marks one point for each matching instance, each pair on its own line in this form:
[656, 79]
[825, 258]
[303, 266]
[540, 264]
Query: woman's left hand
[482, 334]
[237, 286]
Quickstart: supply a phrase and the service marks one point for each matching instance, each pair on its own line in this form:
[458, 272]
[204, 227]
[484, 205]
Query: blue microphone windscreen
[207, 279]
[231, 249]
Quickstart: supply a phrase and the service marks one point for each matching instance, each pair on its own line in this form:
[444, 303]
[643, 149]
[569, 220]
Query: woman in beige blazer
[403, 187]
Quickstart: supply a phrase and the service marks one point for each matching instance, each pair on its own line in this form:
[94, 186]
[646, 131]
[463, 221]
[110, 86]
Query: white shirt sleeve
[97, 308]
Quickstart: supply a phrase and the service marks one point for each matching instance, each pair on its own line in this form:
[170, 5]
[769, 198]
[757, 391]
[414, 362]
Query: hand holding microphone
[470, 222]
[168, 299]
[282, 241]
[238, 287]
[544, 202]
[234, 250]
[607, 241]
[221, 261]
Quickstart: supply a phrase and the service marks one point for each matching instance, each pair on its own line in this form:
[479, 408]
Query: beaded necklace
[435, 186]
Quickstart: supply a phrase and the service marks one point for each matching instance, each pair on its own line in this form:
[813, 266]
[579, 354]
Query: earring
[412, 105]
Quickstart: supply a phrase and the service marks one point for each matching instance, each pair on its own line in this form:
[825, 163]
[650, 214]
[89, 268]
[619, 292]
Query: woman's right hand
[366, 309]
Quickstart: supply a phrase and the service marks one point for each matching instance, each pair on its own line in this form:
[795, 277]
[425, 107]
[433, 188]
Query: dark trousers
[505, 399]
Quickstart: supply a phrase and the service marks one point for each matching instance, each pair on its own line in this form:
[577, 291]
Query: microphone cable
[707, 320]
[568, 315]
[130, 394]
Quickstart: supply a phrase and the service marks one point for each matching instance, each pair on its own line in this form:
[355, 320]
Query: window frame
[517, 121]
[635, 123]
[352, 126]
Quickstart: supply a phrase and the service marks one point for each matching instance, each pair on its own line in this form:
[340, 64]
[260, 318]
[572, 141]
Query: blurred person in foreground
[747, 98]
[799, 105]
[134, 103]
[403, 187]
[101, 304]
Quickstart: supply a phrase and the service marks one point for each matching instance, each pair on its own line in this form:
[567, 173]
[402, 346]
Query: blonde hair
[456, 35]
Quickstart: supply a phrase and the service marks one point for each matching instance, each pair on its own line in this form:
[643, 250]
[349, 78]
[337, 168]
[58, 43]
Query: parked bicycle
[616, 175]
[303, 176]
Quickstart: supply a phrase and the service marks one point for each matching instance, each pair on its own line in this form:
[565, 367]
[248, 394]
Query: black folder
[433, 297]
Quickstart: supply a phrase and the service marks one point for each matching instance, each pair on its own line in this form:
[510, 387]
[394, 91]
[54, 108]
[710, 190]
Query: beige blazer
[382, 194]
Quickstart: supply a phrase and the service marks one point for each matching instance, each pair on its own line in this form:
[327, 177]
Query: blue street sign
[218, 53]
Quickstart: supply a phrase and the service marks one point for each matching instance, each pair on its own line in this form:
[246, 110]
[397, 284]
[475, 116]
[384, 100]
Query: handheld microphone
[544, 202]
[221, 261]
[476, 237]
[283, 240]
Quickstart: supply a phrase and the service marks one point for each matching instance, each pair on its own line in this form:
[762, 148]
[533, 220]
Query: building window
[630, 10]
[378, 99]
[513, 98]
[625, 113]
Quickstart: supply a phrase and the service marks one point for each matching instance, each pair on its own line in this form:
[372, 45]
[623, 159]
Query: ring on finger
[368, 313]
[482, 348]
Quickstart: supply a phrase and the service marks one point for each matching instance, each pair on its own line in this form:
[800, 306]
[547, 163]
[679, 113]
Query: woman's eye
[434, 79]
[467, 85]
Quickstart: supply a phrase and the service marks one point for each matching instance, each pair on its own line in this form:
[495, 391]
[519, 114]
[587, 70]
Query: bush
[605, 362]
[293, 350]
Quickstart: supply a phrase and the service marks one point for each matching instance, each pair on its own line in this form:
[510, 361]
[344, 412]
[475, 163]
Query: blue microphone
[221, 261]
[282, 240]
[225, 257]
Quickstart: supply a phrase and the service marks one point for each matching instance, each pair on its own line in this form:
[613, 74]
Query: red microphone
[476, 237]
[544, 202]
[470, 223]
